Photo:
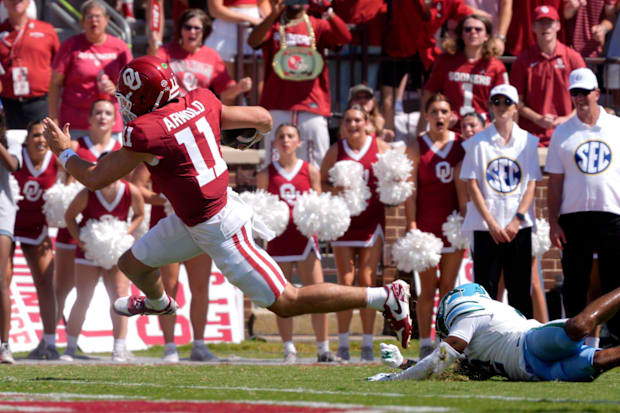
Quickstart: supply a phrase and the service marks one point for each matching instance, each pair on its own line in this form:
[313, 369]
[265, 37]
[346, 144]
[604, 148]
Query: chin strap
[432, 365]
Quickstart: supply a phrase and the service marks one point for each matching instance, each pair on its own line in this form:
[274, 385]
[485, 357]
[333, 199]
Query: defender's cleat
[396, 310]
[136, 305]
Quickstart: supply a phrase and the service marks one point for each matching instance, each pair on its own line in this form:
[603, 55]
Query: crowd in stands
[461, 83]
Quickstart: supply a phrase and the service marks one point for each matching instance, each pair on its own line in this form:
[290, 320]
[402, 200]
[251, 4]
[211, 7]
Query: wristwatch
[520, 216]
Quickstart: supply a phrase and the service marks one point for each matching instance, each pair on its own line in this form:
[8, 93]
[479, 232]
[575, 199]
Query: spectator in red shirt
[26, 53]
[305, 102]
[540, 74]
[520, 35]
[587, 25]
[85, 69]
[410, 34]
[468, 71]
[196, 65]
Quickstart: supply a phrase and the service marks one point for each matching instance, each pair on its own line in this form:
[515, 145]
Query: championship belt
[297, 63]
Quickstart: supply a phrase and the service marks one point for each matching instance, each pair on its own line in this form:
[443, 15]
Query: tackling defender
[495, 339]
[178, 138]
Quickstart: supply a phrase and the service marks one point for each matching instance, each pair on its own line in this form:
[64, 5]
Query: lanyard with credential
[13, 47]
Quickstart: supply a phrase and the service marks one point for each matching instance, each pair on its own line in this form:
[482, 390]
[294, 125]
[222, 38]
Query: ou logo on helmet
[593, 157]
[131, 78]
[503, 175]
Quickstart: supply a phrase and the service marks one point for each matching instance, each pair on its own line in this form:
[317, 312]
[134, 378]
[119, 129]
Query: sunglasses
[580, 92]
[496, 101]
[189, 27]
[469, 29]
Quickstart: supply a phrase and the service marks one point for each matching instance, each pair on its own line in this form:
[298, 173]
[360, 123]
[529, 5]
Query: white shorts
[223, 37]
[313, 131]
[227, 239]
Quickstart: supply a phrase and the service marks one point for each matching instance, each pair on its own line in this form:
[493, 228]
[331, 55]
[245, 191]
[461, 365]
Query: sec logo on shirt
[503, 175]
[593, 157]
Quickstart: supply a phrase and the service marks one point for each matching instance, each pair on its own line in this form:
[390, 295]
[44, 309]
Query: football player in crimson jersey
[179, 140]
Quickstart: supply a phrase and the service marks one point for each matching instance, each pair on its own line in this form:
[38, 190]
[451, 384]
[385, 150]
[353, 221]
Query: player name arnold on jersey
[176, 119]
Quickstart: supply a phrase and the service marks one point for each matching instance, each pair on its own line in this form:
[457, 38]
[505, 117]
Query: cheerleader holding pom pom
[364, 238]
[437, 156]
[288, 179]
[101, 233]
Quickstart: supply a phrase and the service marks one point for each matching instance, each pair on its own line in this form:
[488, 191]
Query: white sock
[50, 339]
[157, 303]
[71, 344]
[366, 340]
[170, 346]
[343, 339]
[593, 341]
[322, 347]
[426, 341]
[198, 343]
[289, 347]
[375, 297]
[119, 344]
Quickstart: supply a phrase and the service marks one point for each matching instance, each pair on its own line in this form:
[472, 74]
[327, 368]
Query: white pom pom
[325, 215]
[392, 170]
[347, 174]
[269, 208]
[350, 176]
[417, 251]
[105, 240]
[541, 242]
[57, 199]
[15, 191]
[452, 230]
[143, 228]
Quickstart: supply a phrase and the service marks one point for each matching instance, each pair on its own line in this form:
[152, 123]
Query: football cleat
[136, 305]
[396, 310]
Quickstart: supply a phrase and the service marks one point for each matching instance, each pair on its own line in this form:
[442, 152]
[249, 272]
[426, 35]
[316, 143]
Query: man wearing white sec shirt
[584, 194]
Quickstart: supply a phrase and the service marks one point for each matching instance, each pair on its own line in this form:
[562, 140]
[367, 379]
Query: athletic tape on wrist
[65, 155]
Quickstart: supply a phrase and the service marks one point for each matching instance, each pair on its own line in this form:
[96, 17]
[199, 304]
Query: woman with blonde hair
[468, 70]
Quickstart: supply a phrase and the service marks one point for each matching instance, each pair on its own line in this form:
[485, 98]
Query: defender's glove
[240, 138]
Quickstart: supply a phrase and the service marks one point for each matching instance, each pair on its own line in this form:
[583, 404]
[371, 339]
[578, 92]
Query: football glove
[240, 138]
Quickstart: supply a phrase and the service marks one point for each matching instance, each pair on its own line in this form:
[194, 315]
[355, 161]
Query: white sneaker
[136, 305]
[202, 353]
[396, 310]
[290, 357]
[122, 356]
[68, 355]
[5, 354]
[171, 355]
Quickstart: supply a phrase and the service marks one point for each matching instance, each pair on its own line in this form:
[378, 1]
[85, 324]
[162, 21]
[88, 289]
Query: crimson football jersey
[364, 225]
[436, 191]
[188, 168]
[97, 207]
[467, 85]
[32, 184]
[288, 186]
[87, 151]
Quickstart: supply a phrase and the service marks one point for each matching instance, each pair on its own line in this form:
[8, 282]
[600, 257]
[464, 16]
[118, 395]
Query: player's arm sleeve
[434, 364]
[135, 139]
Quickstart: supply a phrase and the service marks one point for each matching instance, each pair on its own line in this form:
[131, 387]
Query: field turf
[282, 388]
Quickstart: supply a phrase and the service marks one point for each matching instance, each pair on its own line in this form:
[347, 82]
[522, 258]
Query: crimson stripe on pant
[260, 254]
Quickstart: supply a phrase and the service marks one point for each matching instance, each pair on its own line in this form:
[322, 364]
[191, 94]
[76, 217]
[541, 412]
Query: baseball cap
[505, 90]
[582, 78]
[546, 12]
[360, 88]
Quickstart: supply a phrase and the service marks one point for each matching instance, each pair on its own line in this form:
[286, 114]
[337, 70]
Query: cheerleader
[39, 173]
[288, 177]
[364, 238]
[437, 157]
